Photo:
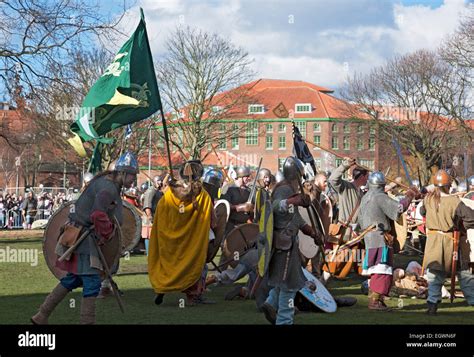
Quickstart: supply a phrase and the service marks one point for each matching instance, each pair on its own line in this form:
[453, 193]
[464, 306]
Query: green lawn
[24, 287]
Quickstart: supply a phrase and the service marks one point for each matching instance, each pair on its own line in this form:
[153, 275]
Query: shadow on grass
[140, 309]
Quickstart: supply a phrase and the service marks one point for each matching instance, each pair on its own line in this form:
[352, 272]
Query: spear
[342, 157]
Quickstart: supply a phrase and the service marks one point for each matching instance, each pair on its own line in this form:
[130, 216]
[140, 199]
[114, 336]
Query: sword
[254, 187]
[109, 276]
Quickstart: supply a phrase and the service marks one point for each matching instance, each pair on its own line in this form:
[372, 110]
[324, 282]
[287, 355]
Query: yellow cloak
[178, 242]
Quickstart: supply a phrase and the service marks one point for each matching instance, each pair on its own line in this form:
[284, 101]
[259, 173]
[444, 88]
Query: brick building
[32, 159]
[320, 117]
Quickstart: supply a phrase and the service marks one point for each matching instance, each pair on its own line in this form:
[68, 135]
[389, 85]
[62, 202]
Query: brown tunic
[440, 227]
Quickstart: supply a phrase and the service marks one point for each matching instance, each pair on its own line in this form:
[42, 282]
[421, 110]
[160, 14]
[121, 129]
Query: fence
[14, 219]
[37, 190]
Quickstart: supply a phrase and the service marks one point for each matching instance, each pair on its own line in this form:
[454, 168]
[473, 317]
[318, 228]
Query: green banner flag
[126, 93]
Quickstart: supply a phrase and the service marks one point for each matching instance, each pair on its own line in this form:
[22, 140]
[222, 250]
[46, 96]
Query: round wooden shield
[308, 248]
[222, 210]
[240, 239]
[51, 236]
[316, 218]
[131, 227]
[111, 249]
[319, 297]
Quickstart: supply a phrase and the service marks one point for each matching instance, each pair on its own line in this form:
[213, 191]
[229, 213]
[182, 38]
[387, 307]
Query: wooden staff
[343, 157]
[454, 262]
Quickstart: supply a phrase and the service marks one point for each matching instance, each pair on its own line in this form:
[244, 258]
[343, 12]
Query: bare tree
[194, 76]
[35, 36]
[458, 51]
[7, 164]
[58, 105]
[403, 98]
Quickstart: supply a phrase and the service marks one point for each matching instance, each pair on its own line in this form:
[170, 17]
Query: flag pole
[163, 121]
[149, 151]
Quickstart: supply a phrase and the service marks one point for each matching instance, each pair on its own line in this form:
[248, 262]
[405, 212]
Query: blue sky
[320, 41]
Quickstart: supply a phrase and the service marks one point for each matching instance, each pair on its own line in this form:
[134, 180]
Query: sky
[319, 41]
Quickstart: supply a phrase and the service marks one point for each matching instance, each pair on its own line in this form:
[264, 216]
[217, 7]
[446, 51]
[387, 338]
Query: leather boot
[432, 309]
[376, 302]
[88, 311]
[49, 304]
[269, 312]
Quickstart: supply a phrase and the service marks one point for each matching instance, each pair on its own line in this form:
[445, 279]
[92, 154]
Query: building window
[269, 142]
[216, 109]
[360, 129]
[372, 143]
[251, 137]
[282, 142]
[346, 143]
[256, 109]
[372, 130]
[280, 164]
[347, 128]
[269, 128]
[221, 137]
[234, 141]
[367, 163]
[335, 142]
[334, 128]
[282, 128]
[177, 115]
[303, 108]
[301, 125]
[317, 141]
[317, 127]
[360, 144]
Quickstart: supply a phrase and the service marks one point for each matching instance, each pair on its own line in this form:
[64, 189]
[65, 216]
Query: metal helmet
[214, 177]
[191, 170]
[127, 163]
[243, 171]
[144, 186]
[293, 169]
[470, 180]
[131, 192]
[376, 178]
[88, 176]
[416, 183]
[462, 187]
[279, 176]
[442, 178]
[264, 173]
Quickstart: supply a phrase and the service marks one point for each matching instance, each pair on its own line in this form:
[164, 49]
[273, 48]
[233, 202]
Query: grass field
[23, 288]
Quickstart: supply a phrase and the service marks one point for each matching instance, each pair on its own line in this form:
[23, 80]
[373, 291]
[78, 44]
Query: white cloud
[320, 71]
[424, 27]
[314, 52]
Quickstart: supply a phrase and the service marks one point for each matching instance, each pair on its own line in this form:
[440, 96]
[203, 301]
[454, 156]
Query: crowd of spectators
[20, 211]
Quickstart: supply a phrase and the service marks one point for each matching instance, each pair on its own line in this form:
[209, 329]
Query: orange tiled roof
[272, 92]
